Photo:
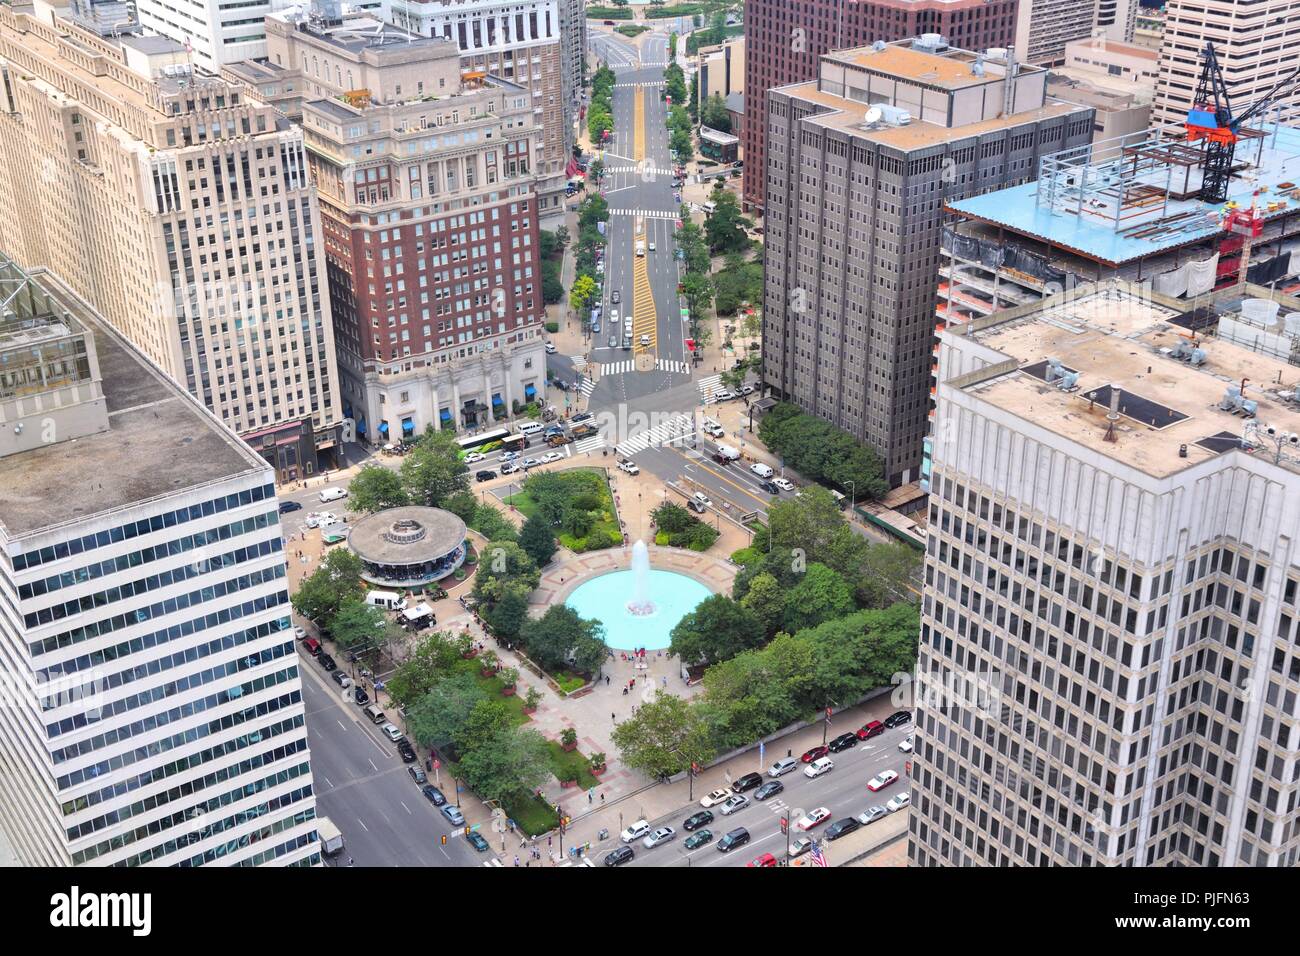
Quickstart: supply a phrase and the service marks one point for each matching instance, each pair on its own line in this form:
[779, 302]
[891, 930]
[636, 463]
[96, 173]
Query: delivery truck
[331, 840]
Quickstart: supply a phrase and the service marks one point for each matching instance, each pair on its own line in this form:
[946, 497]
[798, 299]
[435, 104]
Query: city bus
[473, 442]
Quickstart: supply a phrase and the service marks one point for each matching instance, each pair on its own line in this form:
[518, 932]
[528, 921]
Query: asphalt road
[843, 791]
[364, 788]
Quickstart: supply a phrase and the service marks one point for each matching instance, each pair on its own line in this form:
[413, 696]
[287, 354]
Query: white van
[388, 600]
[710, 208]
[729, 453]
[530, 428]
[818, 767]
[762, 470]
[333, 494]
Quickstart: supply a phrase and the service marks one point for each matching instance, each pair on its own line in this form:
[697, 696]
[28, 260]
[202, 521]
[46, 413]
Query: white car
[333, 494]
[818, 767]
[652, 246]
[392, 733]
[871, 815]
[813, 817]
[509, 455]
[785, 484]
[551, 456]
[714, 429]
[735, 802]
[630, 467]
[703, 499]
[881, 780]
[658, 837]
[714, 798]
[645, 339]
[906, 745]
[723, 395]
[509, 468]
[635, 832]
[550, 348]
[898, 801]
[473, 457]
[300, 634]
[747, 390]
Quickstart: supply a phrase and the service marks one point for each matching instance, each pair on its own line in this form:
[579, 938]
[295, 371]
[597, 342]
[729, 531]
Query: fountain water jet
[640, 605]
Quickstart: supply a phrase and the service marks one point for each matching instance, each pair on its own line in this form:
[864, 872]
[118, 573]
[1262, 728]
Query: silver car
[782, 767]
[737, 802]
[658, 837]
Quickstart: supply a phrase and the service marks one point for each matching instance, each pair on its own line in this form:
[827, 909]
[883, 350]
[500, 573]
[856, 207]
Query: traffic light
[785, 825]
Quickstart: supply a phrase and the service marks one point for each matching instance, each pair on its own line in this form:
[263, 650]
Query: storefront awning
[408, 426]
[445, 415]
[361, 427]
[529, 391]
[383, 428]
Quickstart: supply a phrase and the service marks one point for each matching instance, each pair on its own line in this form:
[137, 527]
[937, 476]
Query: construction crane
[1211, 119]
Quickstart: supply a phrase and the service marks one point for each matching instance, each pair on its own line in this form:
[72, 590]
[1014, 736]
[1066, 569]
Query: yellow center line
[765, 502]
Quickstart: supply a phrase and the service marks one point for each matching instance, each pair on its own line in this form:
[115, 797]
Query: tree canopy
[664, 737]
[717, 629]
[559, 633]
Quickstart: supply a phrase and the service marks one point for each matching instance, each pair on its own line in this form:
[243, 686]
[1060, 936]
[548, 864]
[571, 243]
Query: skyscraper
[783, 41]
[180, 207]
[1109, 654]
[154, 708]
[853, 221]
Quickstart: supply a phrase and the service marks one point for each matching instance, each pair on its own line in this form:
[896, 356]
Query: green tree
[582, 291]
[357, 623]
[594, 209]
[693, 98]
[725, 227]
[665, 737]
[766, 600]
[820, 595]
[507, 766]
[320, 595]
[559, 633]
[718, 628]
[492, 524]
[508, 614]
[713, 114]
[376, 488]
[431, 661]
[538, 539]
[463, 505]
[433, 470]
[439, 717]
[502, 563]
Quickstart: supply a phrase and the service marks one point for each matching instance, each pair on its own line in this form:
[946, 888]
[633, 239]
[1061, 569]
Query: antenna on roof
[1112, 417]
[873, 115]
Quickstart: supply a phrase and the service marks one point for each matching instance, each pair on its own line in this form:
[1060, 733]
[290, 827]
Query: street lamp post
[853, 491]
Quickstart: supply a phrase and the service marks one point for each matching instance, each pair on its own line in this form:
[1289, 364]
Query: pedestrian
[548, 841]
[606, 680]
[613, 718]
[789, 753]
[516, 860]
[665, 679]
[589, 800]
[602, 799]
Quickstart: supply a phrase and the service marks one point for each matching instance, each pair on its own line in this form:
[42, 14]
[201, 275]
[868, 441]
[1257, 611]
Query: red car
[766, 859]
[815, 754]
[871, 730]
[312, 645]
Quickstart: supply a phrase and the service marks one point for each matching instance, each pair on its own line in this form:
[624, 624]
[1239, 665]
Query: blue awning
[496, 399]
[383, 428]
[529, 391]
[361, 427]
[347, 409]
[408, 426]
[445, 415]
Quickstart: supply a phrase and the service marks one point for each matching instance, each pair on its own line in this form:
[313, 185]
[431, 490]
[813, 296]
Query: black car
[619, 856]
[477, 842]
[287, 506]
[614, 297]
[485, 475]
[769, 789]
[842, 742]
[697, 820]
[418, 775]
[434, 795]
[897, 719]
[407, 752]
[733, 839]
[770, 488]
[360, 696]
[327, 662]
[841, 827]
[748, 782]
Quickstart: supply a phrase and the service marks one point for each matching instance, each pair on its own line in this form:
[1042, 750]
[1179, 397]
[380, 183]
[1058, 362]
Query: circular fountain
[639, 607]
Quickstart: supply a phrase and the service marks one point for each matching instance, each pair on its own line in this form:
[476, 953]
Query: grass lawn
[532, 814]
[606, 527]
[571, 765]
[524, 504]
[492, 686]
[631, 29]
[569, 681]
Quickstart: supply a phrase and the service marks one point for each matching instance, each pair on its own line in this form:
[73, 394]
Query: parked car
[814, 817]
[873, 729]
[360, 696]
[332, 494]
[734, 838]
[770, 487]
[551, 456]
[842, 828]
[818, 767]
[342, 679]
[406, 751]
[477, 842]
[782, 767]
[898, 801]
[645, 339]
[630, 467]
[697, 820]
[906, 744]
[769, 789]
[287, 506]
[698, 839]
[391, 732]
[550, 348]
[509, 468]
[871, 815]
[734, 804]
[530, 463]
[898, 718]
[713, 798]
[815, 753]
[785, 484]
[418, 775]
[703, 499]
[766, 859]
[619, 855]
[800, 846]
[434, 795]
[327, 662]
[453, 815]
[635, 832]
[658, 837]
[485, 475]
[882, 780]
[843, 742]
[748, 782]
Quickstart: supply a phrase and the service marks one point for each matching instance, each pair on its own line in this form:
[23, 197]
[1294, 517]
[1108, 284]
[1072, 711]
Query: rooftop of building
[358, 32]
[940, 66]
[408, 535]
[718, 137]
[736, 103]
[1118, 337]
[1074, 203]
[160, 441]
[1092, 89]
[1114, 46]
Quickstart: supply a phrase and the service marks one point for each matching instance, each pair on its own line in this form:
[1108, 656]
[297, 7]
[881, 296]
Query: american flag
[818, 858]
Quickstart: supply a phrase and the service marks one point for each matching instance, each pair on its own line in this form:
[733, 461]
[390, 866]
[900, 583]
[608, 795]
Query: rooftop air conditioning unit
[894, 116]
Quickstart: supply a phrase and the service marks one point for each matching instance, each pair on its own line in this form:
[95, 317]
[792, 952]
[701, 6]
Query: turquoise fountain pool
[606, 598]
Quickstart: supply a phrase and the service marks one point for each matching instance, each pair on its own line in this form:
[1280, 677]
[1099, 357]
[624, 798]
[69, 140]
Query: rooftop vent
[894, 115]
[1186, 351]
[930, 43]
[878, 45]
[1233, 402]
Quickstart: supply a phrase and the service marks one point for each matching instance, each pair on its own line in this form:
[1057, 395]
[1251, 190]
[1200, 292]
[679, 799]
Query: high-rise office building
[1044, 27]
[527, 42]
[181, 208]
[154, 711]
[1109, 653]
[854, 210]
[784, 40]
[430, 216]
[1253, 43]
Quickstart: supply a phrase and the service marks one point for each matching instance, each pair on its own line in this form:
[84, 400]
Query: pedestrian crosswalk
[586, 385]
[594, 443]
[617, 368]
[644, 213]
[493, 862]
[675, 429]
[578, 360]
[709, 384]
[647, 171]
[671, 365]
[648, 84]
